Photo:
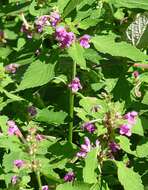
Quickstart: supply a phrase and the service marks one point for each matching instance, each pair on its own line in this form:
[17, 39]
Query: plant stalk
[39, 180]
[71, 106]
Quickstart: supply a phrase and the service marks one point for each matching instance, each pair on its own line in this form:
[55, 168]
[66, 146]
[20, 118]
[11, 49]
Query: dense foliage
[74, 99]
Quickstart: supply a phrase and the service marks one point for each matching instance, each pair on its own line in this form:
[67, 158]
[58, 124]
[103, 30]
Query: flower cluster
[90, 127]
[70, 176]
[75, 85]
[32, 111]
[41, 22]
[85, 148]
[11, 68]
[64, 38]
[126, 129]
[13, 129]
[14, 179]
[54, 18]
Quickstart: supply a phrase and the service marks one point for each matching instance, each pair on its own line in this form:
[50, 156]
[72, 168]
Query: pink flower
[41, 22]
[75, 85]
[45, 187]
[125, 129]
[70, 176]
[54, 18]
[85, 148]
[64, 38]
[84, 41]
[89, 127]
[131, 117]
[114, 146]
[39, 137]
[136, 74]
[11, 68]
[13, 129]
[18, 163]
[14, 179]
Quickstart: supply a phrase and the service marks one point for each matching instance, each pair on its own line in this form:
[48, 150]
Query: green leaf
[92, 55]
[125, 145]
[88, 22]
[128, 178]
[107, 44]
[76, 52]
[20, 43]
[138, 128]
[142, 149]
[89, 174]
[145, 99]
[138, 4]
[51, 117]
[37, 74]
[62, 4]
[75, 186]
[71, 6]
[4, 52]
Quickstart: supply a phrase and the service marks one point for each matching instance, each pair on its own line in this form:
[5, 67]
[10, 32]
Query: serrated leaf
[128, 178]
[51, 117]
[75, 186]
[138, 4]
[37, 74]
[125, 145]
[107, 44]
[76, 52]
[89, 174]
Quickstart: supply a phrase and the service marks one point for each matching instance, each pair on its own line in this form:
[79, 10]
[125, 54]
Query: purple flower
[64, 38]
[75, 85]
[32, 111]
[39, 137]
[89, 127]
[14, 179]
[54, 18]
[11, 68]
[125, 129]
[131, 117]
[84, 41]
[41, 22]
[45, 187]
[70, 176]
[114, 146]
[136, 74]
[13, 129]
[85, 148]
[18, 163]
[25, 30]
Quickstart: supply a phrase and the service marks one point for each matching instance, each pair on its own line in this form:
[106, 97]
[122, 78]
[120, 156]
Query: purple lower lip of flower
[75, 85]
[125, 129]
[18, 163]
[131, 117]
[14, 179]
[70, 176]
[114, 146]
[84, 41]
[89, 127]
[45, 187]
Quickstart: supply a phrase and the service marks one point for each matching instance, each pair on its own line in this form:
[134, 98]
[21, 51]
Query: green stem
[71, 106]
[39, 180]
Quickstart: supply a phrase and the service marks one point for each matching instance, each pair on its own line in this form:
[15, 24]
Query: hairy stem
[71, 106]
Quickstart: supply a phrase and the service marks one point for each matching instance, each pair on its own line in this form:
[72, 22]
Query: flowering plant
[74, 100]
